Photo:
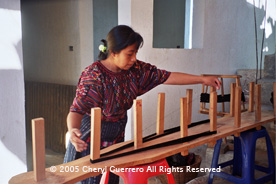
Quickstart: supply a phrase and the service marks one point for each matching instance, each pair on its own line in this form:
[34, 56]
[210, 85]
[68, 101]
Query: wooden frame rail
[205, 88]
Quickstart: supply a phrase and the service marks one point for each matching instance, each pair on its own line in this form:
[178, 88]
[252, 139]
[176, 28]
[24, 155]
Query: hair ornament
[102, 48]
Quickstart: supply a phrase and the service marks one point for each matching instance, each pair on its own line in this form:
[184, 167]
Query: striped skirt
[111, 133]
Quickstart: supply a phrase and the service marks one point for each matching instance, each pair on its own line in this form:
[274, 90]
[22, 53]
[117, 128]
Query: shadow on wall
[12, 118]
[265, 21]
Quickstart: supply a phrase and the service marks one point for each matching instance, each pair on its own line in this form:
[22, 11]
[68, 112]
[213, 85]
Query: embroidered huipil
[114, 92]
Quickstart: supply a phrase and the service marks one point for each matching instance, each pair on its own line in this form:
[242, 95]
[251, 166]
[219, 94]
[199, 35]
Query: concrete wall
[105, 17]
[12, 117]
[49, 29]
[168, 24]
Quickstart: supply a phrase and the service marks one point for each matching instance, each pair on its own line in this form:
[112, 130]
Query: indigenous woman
[112, 83]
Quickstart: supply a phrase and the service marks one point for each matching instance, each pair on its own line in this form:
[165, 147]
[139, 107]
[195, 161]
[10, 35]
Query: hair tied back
[102, 48]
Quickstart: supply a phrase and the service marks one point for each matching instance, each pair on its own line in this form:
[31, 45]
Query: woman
[112, 83]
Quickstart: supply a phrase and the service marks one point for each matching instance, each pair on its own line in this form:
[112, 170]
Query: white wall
[12, 112]
[228, 45]
[49, 28]
[86, 35]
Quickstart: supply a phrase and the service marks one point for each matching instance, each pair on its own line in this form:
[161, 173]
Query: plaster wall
[12, 117]
[228, 44]
[86, 36]
[105, 17]
[49, 29]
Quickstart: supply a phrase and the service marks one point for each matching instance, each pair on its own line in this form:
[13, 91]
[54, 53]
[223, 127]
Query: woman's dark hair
[118, 39]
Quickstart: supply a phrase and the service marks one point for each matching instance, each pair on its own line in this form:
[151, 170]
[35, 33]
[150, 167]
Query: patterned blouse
[114, 92]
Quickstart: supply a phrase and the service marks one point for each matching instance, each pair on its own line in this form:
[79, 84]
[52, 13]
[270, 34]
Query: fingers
[79, 144]
[212, 81]
[217, 84]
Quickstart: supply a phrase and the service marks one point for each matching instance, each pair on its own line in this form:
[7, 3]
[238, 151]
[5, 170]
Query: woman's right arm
[73, 124]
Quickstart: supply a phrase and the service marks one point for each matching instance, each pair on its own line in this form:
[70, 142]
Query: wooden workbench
[225, 127]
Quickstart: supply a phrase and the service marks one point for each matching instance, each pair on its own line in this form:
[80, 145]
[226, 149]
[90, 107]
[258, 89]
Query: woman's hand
[79, 144]
[73, 123]
[211, 81]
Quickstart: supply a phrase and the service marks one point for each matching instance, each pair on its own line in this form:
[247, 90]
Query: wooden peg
[237, 134]
[202, 104]
[237, 107]
[258, 127]
[183, 117]
[138, 136]
[189, 95]
[274, 100]
[232, 99]
[38, 136]
[238, 82]
[258, 102]
[185, 153]
[222, 94]
[160, 113]
[213, 111]
[184, 121]
[95, 134]
[212, 89]
[251, 97]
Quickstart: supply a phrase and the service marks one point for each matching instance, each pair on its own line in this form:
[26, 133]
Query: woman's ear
[112, 54]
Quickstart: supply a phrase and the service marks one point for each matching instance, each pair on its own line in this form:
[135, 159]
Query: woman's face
[125, 59]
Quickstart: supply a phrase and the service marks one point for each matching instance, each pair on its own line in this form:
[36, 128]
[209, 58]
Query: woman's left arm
[177, 78]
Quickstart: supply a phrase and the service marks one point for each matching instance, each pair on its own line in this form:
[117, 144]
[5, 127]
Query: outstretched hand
[211, 81]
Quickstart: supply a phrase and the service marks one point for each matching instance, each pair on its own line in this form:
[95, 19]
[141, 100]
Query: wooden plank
[206, 90]
[38, 135]
[184, 121]
[189, 95]
[224, 125]
[160, 114]
[222, 94]
[202, 104]
[95, 134]
[224, 129]
[218, 113]
[213, 111]
[274, 100]
[238, 82]
[251, 96]
[138, 134]
[183, 117]
[223, 76]
[238, 107]
[258, 102]
[212, 144]
[232, 99]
